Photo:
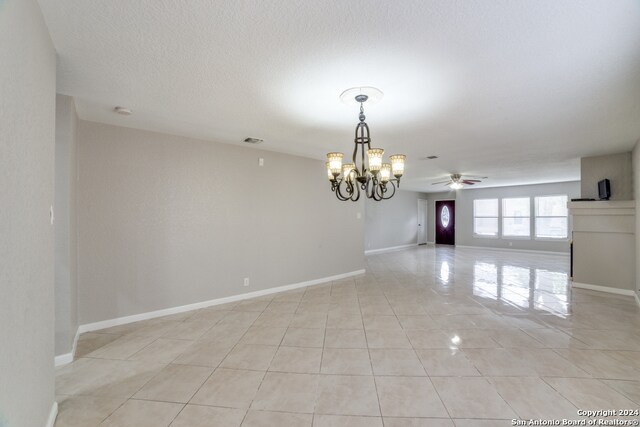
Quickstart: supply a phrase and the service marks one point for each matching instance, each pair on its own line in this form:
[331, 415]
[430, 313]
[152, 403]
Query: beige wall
[635, 155]
[464, 214]
[165, 221]
[392, 222]
[65, 231]
[615, 167]
[27, 114]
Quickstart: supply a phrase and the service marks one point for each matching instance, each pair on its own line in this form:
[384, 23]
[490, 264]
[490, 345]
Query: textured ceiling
[514, 90]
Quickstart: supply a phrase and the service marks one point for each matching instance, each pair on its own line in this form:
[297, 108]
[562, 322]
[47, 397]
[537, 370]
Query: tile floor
[428, 337]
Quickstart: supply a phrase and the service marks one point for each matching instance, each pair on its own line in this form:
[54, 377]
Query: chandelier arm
[368, 190]
[357, 194]
[340, 197]
[339, 192]
[355, 150]
[393, 186]
[372, 192]
[379, 193]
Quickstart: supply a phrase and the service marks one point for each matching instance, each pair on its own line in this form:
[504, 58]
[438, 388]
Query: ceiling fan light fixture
[456, 186]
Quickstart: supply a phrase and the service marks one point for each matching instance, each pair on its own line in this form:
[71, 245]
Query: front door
[446, 222]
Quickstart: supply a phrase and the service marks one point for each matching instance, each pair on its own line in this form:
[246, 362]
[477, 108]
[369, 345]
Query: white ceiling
[514, 90]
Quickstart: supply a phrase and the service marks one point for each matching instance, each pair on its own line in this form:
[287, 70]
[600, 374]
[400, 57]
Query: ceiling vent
[123, 111]
[253, 140]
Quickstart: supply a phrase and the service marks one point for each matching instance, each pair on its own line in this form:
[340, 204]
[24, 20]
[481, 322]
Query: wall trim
[53, 414]
[389, 249]
[607, 289]
[431, 243]
[188, 307]
[513, 250]
[64, 359]
[635, 294]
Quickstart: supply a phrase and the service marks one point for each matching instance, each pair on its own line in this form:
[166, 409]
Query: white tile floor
[428, 337]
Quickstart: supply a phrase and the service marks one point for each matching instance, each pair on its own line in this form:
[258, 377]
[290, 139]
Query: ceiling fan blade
[441, 182]
[475, 177]
[469, 182]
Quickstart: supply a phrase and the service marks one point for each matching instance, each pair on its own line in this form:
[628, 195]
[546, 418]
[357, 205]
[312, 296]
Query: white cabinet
[604, 249]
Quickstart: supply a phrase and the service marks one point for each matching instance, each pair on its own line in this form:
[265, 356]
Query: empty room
[319, 213]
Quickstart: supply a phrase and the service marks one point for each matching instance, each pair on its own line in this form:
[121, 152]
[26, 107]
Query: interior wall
[166, 221]
[66, 287]
[635, 156]
[392, 222]
[27, 111]
[464, 214]
[615, 167]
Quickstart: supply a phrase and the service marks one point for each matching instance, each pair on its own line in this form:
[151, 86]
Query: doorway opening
[422, 222]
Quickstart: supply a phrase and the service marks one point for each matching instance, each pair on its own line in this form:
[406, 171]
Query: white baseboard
[389, 249]
[431, 243]
[52, 415]
[635, 294]
[67, 358]
[606, 289]
[63, 359]
[195, 306]
[514, 250]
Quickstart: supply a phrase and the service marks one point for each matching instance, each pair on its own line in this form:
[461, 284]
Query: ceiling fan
[457, 181]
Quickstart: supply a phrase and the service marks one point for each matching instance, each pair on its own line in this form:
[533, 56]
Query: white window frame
[503, 217]
[536, 216]
[497, 217]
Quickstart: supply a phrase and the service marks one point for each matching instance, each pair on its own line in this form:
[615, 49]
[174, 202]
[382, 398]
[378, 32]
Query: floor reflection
[510, 281]
[526, 287]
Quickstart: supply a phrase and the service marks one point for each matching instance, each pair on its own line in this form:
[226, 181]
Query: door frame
[435, 218]
[425, 223]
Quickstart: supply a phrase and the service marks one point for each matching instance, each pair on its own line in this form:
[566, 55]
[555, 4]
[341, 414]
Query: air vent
[123, 111]
[253, 140]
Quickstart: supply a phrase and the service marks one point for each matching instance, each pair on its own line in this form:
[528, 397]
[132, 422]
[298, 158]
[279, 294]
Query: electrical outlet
[510, 243]
[246, 281]
[358, 215]
[260, 161]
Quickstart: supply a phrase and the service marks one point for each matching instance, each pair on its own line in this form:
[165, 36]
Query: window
[485, 217]
[516, 215]
[551, 217]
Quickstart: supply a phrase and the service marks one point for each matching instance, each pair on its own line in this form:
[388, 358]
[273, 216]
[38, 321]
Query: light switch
[358, 215]
[260, 161]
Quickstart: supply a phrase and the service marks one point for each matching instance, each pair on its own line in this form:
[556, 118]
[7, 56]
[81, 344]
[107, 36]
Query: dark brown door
[446, 222]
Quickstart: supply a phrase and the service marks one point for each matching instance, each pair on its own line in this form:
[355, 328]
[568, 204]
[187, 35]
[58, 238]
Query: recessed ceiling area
[516, 91]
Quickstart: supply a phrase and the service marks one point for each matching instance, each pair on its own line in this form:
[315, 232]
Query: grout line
[366, 339]
[410, 283]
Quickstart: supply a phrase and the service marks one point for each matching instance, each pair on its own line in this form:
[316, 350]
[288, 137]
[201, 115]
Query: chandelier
[370, 175]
